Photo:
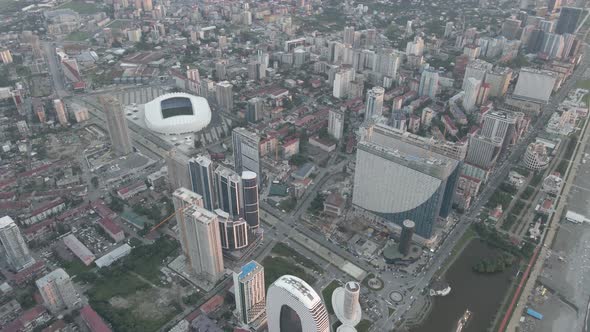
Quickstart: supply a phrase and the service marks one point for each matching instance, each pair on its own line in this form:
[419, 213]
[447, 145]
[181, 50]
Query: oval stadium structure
[177, 113]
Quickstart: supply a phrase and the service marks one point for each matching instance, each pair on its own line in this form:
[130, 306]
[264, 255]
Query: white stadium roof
[177, 113]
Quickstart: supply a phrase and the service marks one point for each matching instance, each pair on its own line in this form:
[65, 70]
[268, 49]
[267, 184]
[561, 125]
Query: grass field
[118, 24]
[9, 6]
[286, 251]
[585, 84]
[275, 267]
[327, 294]
[78, 36]
[81, 7]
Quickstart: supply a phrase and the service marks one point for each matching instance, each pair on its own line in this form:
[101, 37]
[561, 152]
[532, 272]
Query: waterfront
[482, 294]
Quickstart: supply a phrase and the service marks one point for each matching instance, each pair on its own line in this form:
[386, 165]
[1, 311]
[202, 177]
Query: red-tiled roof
[110, 225]
[32, 314]
[212, 305]
[25, 274]
[93, 320]
[47, 206]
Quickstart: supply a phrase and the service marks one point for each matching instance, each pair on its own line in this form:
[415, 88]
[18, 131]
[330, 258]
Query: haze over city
[294, 166]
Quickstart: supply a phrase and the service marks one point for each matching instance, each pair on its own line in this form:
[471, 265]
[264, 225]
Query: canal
[482, 294]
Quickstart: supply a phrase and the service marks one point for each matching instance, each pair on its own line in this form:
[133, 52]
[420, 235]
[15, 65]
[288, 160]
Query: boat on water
[463, 321]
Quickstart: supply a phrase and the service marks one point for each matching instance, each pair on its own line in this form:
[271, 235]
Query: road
[464, 222]
[513, 323]
[55, 70]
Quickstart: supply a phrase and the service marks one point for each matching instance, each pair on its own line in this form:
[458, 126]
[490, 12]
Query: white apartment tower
[374, 104]
[336, 123]
[471, 91]
[58, 291]
[60, 110]
[15, 247]
[428, 83]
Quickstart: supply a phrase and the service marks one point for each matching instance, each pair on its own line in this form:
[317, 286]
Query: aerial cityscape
[294, 166]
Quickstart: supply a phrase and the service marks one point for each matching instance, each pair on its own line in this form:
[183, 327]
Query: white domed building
[177, 114]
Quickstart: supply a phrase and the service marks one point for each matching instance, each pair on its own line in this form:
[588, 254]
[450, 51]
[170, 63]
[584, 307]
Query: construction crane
[168, 218]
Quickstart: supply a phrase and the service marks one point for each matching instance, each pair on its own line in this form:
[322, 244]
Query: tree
[94, 181]
[116, 204]
[297, 159]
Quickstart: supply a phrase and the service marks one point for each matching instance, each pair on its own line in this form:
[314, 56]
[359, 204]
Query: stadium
[177, 114]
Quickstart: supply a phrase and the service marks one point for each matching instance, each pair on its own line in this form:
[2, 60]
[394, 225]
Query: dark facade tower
[250, 187]
[201, 174]
[405, 240]
[568, 20]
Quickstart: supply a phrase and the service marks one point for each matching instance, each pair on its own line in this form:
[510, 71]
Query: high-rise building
[193, 74]
[177, 164]
[224, 95]
[345, 301]
[554, 5]
[428, 83]
[60, 110]
[348, 35]
[476, 69]
[147, 5]
[257, 70]
[221, 70]
[546, 26]
[342, 79]
[389, 162]
[201, 174]
[553, 45]
[14, 245]
[199, 235]
[499, 80]
[405, 240]
[234, 233]
[374, 104]
[117, 125]
[250, 199]
[293, 305]
[387, 63]
[204, 243]
[194, 80]
[336, 123]
[415, 47]
[569, 44]
[449, 29]
[246, 147]
[569, 18]
[182, 198]
[57, 291]
[495, 134]
[471, 92]
[255, 111]
[228, 186]
[535, 85]
[250, 293]
[398, 120]
[511, 28]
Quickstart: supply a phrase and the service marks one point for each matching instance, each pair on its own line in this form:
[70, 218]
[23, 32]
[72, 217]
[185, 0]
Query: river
[482, 294]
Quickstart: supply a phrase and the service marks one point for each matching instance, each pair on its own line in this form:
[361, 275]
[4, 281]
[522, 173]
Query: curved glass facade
[290, 321]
